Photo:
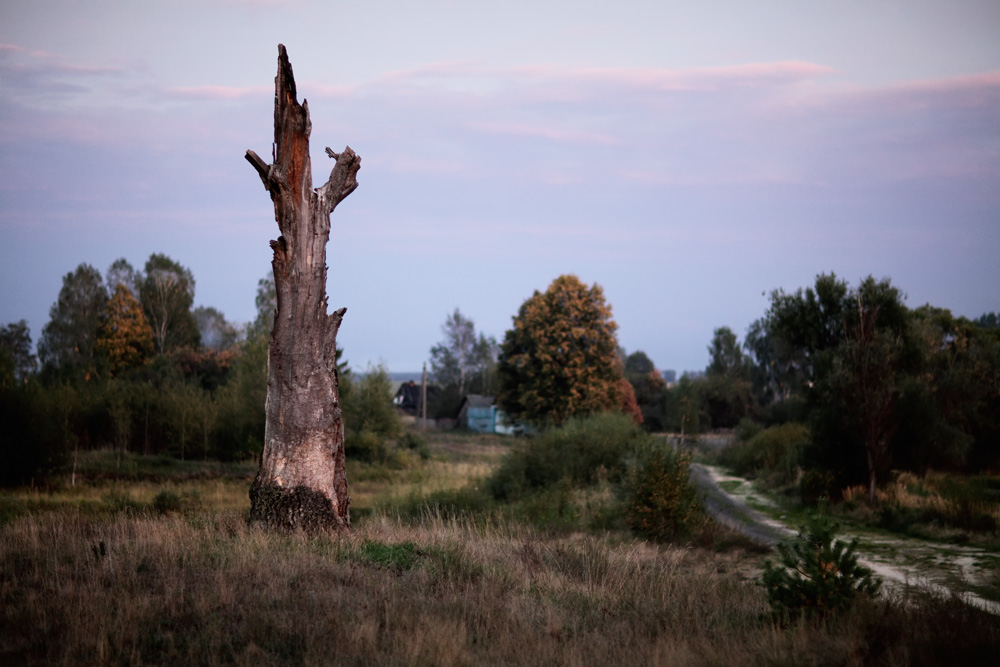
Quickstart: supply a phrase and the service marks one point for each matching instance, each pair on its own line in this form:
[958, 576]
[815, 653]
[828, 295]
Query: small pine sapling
[816, 574]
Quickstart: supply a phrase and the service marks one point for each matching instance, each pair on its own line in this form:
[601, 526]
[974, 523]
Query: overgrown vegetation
[585, 451]
[600, 472]
[774, 454]
[156, 564]
[370, 419]
[881, 388]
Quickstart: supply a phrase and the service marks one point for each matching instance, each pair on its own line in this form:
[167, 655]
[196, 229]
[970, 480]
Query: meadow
[149, 560]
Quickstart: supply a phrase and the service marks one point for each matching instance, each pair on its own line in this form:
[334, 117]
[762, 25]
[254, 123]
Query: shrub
[773, 454]
[747, 429]
[411, 440]
[368, 447]
[661, 502]
[815, 486]
[370, 418]
[367, 404]
[816, 574]
[583, 451]
[551, 508]
[166, 502]
[121, 502]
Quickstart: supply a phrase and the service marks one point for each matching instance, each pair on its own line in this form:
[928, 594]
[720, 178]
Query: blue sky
[688, 157]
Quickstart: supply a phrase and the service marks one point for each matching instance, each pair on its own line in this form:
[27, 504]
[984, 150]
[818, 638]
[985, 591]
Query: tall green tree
[954, 418]
[122, 273]
[988, 321]
[727, 392]
[69, 340]
[638, 365]
[167, 294]
[649, 388]
[866, 372]
[725, 355]
[789, 342]
[560, 359]
[464, 360]
[845, 354]
[17, 361]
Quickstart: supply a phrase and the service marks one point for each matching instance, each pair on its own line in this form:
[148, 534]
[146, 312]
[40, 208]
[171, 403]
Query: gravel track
[915, 564]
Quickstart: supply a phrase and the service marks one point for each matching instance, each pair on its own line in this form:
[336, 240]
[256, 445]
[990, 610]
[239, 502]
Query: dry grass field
[144, 567]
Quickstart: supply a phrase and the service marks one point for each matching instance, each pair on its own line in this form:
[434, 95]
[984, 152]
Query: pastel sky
[687, 156]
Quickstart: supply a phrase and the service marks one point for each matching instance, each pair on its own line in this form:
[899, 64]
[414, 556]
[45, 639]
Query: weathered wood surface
[301, 482]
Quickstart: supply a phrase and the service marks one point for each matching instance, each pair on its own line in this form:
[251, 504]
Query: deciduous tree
[124, 337]
[789, 342]
[16, 357]
[121, 273]
[69, 340]
[560, 359]
[649, 388]
[727, 390]
[167, 294]
[464, 360]
[865, 371]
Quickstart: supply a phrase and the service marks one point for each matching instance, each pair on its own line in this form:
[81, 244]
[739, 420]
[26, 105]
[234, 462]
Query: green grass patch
[731, 486]
[402, 556]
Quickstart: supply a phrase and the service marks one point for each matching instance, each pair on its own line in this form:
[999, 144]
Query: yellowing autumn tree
[560, 359]
[124, 336]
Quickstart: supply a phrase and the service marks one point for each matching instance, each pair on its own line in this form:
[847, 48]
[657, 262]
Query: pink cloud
[645, 77]
[707, 77]
[549, 132]
[44, 62]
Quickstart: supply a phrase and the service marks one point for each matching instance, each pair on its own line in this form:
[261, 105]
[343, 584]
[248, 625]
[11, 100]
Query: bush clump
[166, 502]
[816, 574]
[774, 454]
[370, 418]
[584, 451]
[662, 503]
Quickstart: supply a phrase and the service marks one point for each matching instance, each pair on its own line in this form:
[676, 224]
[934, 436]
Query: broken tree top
[291, 134]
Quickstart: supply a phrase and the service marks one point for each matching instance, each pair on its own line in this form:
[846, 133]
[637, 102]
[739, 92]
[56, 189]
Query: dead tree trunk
[301, 482]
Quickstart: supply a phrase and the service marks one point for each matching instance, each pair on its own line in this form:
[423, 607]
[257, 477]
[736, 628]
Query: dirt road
[902, 562]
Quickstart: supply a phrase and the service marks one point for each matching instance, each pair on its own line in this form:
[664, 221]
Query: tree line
[127, 362]
[865, 384]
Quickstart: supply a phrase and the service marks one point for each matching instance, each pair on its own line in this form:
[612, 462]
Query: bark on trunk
[301, 482]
